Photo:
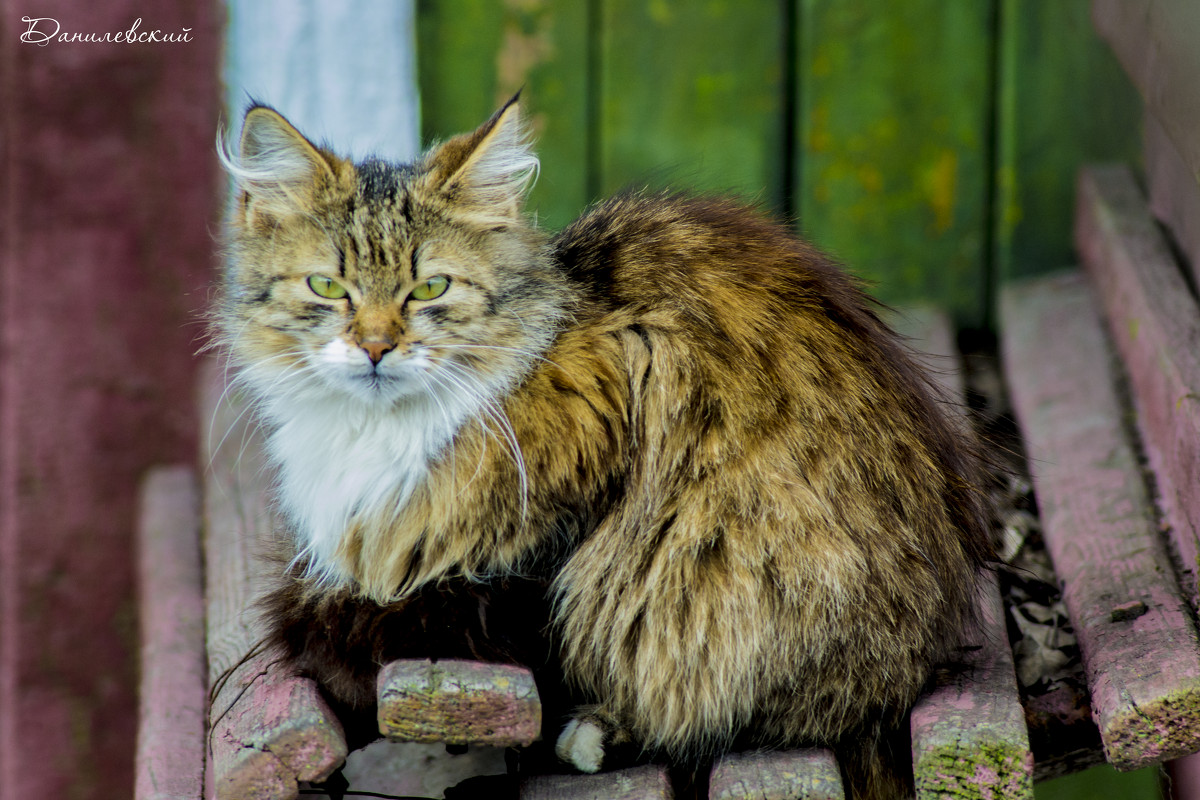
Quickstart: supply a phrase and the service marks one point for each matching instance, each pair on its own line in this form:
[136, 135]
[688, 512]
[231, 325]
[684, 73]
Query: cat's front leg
[588, 735]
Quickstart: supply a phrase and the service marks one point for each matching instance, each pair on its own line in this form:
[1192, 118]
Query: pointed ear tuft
[274, 165]
[489, 170]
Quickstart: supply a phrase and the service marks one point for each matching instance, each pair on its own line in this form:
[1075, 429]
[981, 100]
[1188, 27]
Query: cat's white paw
[582, 744]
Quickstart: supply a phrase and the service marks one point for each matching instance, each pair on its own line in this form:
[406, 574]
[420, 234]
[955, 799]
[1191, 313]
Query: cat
[757, 521]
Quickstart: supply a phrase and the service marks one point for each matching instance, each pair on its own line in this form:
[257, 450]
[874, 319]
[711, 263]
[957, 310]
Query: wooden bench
[1102, 367]
[268, 734]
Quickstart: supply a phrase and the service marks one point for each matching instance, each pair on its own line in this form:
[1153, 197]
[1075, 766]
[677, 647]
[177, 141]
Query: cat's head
[375, 282]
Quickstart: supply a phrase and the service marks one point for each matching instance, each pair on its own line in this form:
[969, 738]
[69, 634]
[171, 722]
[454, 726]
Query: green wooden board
[931, 146]
[475, 54]
[692, 95]
[1063, 101]
[893, 113]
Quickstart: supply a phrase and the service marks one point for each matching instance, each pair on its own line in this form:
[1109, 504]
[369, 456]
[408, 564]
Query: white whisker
[464, 378]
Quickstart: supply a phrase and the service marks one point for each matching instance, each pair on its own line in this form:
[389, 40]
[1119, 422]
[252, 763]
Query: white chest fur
[337, 460]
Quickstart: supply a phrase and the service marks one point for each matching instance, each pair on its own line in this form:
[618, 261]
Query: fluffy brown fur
[757, 520]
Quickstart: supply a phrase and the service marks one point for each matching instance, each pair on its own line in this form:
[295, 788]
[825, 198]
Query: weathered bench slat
[1134, 628]
[269, 730]
[1154, 41]
[637, 783]
[458, 702]
[173, 692]
[1155, 324]
[969, 735]
[1174, 191]
[804, 774]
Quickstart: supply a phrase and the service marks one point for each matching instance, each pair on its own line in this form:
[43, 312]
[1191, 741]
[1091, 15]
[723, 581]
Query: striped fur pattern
[757, 513]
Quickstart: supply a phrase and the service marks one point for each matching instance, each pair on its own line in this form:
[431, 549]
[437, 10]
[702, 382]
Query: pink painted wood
[269, 730]
[1155, 324]
[1135, 629]
[1174, 192]
[1155, 43]
[173, 697]
[107, 196]
[458, 702]
[637, 783]
[805, 774]
[969, 737]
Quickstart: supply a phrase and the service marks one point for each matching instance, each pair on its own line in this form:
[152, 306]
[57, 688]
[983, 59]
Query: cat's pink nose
[377, 348]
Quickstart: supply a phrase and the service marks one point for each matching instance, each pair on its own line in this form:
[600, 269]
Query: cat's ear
[276, 168]
[488, 171]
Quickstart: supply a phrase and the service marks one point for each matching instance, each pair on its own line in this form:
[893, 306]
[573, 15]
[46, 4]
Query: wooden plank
[712, 118]
[1174, 192]
[893, 147]
[929, 335]
[173, 697]
[1062, 100]
[475, 54]
[637, 783]
[1135, 630]
[269, 730]
[1155, 324]
[806, 774]
[458, 702]
[1155, 41]
[968, 735]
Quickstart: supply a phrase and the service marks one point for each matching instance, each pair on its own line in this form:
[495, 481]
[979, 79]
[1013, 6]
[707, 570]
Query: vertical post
[343, 73]
[105, 222]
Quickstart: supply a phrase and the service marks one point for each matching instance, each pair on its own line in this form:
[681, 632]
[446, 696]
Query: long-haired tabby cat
[760, 525]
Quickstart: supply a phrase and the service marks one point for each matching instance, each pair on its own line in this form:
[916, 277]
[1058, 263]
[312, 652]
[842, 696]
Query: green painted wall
[930, 145]
[894, 114]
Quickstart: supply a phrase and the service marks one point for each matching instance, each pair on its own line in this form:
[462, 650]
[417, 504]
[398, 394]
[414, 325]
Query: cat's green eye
[431, 289]
[326, 287]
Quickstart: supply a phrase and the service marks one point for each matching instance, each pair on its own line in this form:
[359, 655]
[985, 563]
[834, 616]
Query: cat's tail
[876, 763]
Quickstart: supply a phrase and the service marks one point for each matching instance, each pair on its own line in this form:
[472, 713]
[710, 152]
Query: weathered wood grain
[969, 736]
[637, 783]
[458, 702]
[1155, 323]
[1135, 630]
[173, 696]
[1174, 192]
[1155, 41]
[269, 730]
[806, 774]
